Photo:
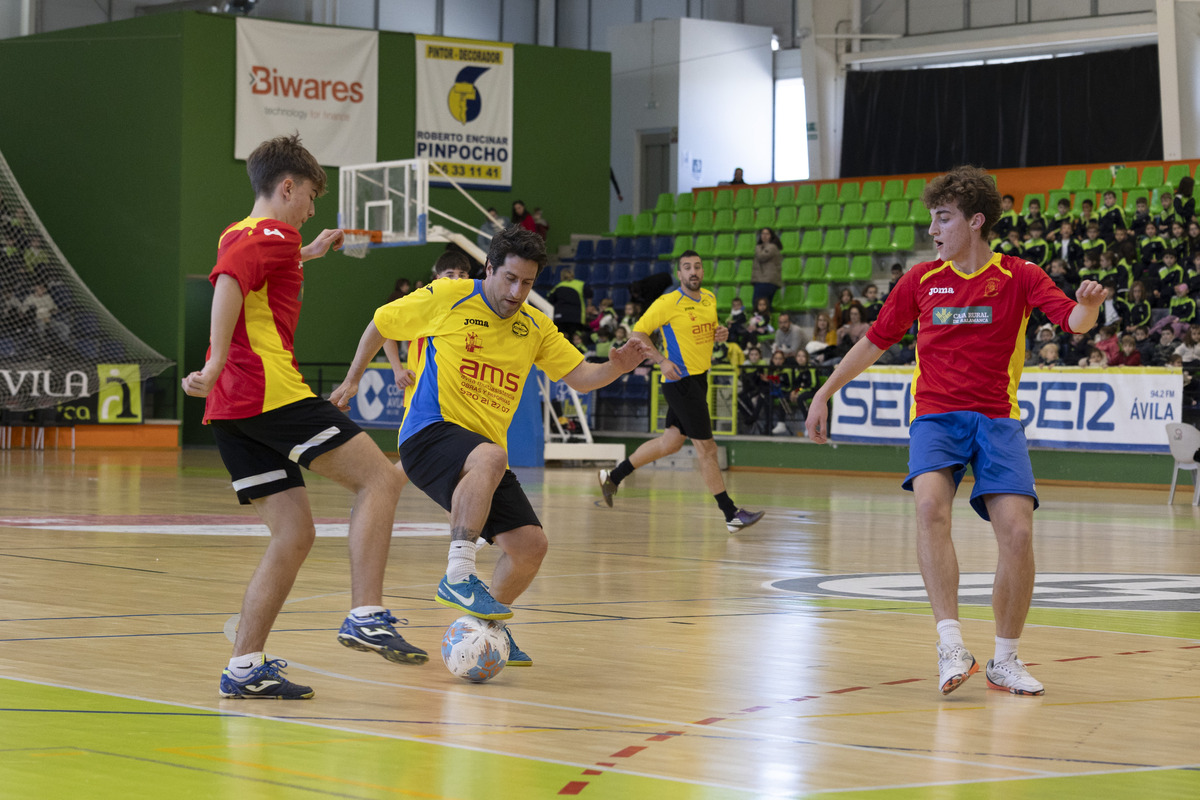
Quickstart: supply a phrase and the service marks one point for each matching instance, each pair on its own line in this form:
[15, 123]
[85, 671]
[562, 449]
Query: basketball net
[356, 243]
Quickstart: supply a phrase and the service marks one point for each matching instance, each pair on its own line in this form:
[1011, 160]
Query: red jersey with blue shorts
[971, 331]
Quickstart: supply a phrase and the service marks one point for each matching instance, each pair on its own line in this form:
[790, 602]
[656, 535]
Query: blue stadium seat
[619, 296]
[619, 275]
[604, 250]
[583, 272]
[663, 244]
[599, 293]
[663, 268]
[600, 273]
[640, 270]
[623, 249]
[585, 250]
[643, 247]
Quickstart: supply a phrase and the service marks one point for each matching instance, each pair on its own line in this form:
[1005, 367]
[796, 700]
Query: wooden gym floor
[672, 660]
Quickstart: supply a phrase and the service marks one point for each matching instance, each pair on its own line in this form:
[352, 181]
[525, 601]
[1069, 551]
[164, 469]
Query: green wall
[125, 149]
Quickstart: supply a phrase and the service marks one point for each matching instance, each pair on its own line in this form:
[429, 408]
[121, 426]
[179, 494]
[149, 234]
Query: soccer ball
[475, 649]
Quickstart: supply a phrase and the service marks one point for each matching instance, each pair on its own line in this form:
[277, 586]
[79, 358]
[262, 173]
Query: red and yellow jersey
[971, 331]
[261, 374]
[688, 327]
[472, 363]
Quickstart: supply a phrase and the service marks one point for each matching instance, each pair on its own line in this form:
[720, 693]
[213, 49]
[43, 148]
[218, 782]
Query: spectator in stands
[754, 356]
[1177, 242]
[1145, 345]
[1134, 307]
[1106, 342]
[1165, 348]
[1191, 243]
[1169, 274]
[1183, 202]
[1036, 248]
[1110, 313]
[1183, 305]
[621, 336]
[539, 223]
[582, 343]
[1048, 355]
[631, 315]
[845, 302]
[1034, 214]
[1009, 220]
[1128, 355]
[767, 271]
[1090, 270]
[1095, 358]
[737, 177]
[522, 217]
[871, 302]
[1116, 270]
[1112, 216]
[1061, 276]
[1067, 247]
[402, 287]
[853, 329]
[1074, 348]
[1063, 214]
[1012, 245]
[1152, 247]
[569, 297]
[759, 327]
[897, 274]
[806, 380]
[1141, 216]
[1166, 212]
[1087, 216]
[1044, 335]
[824, 339]
[606, 317]
[646, 290]
[493, 224]
[788, 337]
[1092, 242]
[603, 344]
[46, 315]
[737, 322]
[1189, 348]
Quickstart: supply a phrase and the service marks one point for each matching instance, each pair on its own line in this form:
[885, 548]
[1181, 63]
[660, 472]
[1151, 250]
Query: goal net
[57, 342]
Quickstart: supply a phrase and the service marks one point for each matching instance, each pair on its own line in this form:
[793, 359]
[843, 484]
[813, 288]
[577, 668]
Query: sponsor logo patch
[965, 315]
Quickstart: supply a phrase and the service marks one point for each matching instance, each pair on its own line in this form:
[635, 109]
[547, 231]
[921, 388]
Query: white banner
[1072, 408]
[321, 82]
[465, 110]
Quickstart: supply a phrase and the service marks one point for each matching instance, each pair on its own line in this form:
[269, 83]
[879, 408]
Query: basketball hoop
[356, 242]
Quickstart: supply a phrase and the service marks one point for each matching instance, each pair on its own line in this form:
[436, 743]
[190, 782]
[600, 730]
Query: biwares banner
[1073, 408]
[465, 110]
[321, 82]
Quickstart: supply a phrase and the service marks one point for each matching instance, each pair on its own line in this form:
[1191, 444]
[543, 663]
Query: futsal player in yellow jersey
[481, 342]
[687, 317]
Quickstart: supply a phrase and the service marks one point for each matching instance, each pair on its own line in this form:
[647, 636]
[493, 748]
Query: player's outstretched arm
[226, 308]
[670, 369]
[330, 237]
[861, 356]
[368, 346]
[404, 376]
[588, 376]
[1090, 296]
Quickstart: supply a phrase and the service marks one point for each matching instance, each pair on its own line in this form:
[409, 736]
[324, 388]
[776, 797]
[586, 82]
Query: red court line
[627, 752]
[850, 689]
[709, 721]
[662, 737]
[574, 787]
[1077, 658]
[754, 708]
[897, 683]
[593, 772]
[1134, 652]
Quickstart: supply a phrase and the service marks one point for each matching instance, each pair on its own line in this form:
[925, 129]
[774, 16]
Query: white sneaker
[1011, 676]
[955, 665]
[780, 428]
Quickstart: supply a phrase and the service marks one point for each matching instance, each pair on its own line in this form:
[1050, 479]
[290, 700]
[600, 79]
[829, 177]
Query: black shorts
[262, 452]
[687, 406]
[433, 459]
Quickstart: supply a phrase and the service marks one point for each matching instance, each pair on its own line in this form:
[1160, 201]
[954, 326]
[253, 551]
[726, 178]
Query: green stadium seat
[1052, 199]
[880, 240]
[871, 190]
[723, 220]
[746, 293]
[643, 224]
[1101, 179]
[704, 246]
[764, 197]
[743, 198]
[764, 217]
[831, 217]
[725, 295]
[893, 190]
[723, 248]
[827, 194]
[685, 201]
[785, 196]
[1175, 172]
[1041, 198]
[897, 213]
[807, 215]
[916, 187]
[683, 242]
[703, 201]
[791, 242]
[1152, 177]
[744, 267]
[743, 220]
[624, 225]
[814, 269]
[852, 215]
[708, 281]
[875, 213]
[861, 268]
[1075, 180]
[791, 298]
[817, 297]
[702, 222]
[745, 244]
[839, 269]
[834, 242]
[723, 199]
[665, 204]
[1081, 196]
[786, 220]
[849, 192]
[725, 269]
[919, 215]
[810, 245]
[793, 268]
[806, 194]
[664, 225]
[1131, 201]
[856, 241]
[904, 239]
[1125, 179]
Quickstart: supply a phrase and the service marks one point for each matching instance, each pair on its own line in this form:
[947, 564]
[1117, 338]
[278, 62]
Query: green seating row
[1127, 178]
[849, 215]
[819, 194]
[793, 297]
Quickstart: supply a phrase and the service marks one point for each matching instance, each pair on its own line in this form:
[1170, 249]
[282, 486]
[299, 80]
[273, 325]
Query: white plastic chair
[1184, 440]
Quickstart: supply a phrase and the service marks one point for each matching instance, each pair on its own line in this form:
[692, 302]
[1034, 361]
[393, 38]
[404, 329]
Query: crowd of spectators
[33, 312]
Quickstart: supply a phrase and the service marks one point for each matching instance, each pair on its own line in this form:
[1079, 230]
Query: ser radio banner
[321, 82]
[1075, 408]
[465, 110]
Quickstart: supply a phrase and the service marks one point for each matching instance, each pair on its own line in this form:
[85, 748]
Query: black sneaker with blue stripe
[377, 634]
[266, 681]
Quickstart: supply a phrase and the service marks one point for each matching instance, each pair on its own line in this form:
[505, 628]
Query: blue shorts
[994, 448]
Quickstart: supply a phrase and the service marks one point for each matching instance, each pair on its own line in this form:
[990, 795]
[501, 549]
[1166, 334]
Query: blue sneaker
[473, 597]
[266, 681]
[516, 656]
[376, 634]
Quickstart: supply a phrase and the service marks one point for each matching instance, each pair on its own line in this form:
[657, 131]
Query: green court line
[1177, 624]
[57, 742]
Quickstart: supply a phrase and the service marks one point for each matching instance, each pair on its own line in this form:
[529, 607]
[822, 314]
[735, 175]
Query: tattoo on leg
[463, 533]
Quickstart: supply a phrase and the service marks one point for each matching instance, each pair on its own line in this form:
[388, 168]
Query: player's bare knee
[932, 514]
[488, 458]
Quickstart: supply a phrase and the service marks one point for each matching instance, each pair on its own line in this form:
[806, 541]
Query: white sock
[242, 666]
[363, 612]
[461, 564]
[950, 632]
[1005, 649]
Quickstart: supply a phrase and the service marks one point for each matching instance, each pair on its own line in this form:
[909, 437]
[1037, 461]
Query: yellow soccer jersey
[687, 328]
[473, 363]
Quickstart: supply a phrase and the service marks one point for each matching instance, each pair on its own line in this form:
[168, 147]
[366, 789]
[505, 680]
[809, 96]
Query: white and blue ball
[475, 649]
